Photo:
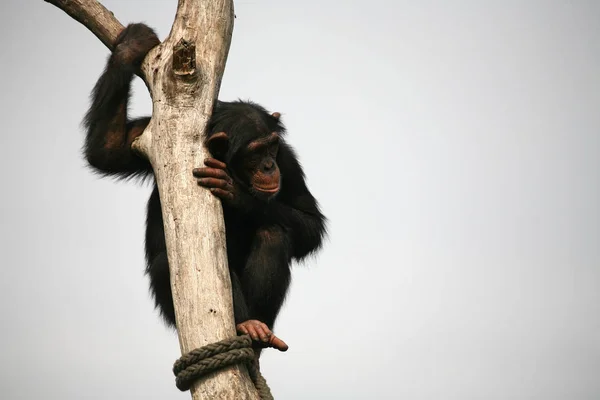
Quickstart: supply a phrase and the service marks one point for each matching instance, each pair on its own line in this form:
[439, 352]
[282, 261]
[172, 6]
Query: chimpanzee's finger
[241, 328]
[213, 162]
[278, 344]
[264, 332]
[210, 173]
[222, 194]
[213, 183]
[252, 332]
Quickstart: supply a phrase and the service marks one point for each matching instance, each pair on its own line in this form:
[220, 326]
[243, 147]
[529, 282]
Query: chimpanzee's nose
[268, 166]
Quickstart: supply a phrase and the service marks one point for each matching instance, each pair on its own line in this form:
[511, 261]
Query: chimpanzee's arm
[109, 132]
[295, 207]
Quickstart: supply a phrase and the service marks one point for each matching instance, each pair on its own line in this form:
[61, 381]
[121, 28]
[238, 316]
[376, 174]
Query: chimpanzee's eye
[253, 160]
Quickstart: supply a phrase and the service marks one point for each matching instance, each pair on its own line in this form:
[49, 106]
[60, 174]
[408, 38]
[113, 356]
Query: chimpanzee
[270, 215]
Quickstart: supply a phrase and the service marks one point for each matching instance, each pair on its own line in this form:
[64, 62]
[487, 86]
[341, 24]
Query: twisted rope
[260, 383]
[199, 362]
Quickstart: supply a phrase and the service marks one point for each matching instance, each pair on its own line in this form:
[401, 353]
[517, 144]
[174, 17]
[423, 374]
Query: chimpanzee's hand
[261, 334]
[216, 179]
[133, 43]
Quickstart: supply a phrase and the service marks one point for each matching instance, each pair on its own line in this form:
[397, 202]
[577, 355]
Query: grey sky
[454, 146]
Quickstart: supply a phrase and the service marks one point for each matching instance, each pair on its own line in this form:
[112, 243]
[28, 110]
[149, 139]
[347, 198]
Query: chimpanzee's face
[260, 166]
[254, 165]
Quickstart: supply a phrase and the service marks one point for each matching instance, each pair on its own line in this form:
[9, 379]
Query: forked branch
[183, 95]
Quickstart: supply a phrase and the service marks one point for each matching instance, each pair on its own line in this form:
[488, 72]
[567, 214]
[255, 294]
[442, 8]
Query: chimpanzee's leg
[265, 280]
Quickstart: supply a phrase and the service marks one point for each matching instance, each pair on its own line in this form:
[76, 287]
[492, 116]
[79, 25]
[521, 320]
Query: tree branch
[183, 75]
[93, 16]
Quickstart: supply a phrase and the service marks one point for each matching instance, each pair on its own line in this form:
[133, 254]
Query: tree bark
[183, 75]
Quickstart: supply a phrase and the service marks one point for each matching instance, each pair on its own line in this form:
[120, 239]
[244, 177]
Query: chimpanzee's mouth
[267, 189]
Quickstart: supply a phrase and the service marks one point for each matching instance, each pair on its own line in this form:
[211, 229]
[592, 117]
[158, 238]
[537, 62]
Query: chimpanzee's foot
[260, 333]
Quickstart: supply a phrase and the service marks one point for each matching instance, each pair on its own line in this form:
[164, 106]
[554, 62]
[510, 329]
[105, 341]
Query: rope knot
[200, 362]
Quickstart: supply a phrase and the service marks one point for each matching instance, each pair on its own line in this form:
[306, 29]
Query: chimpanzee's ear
[218, 144]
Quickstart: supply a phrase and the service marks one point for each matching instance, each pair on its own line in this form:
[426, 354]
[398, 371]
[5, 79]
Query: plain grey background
[454, 146]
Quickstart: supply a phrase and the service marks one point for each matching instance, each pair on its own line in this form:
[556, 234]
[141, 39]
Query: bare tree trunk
[184, 75]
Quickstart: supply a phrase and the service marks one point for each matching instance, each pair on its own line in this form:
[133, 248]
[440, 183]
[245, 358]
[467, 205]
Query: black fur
[263, 237]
